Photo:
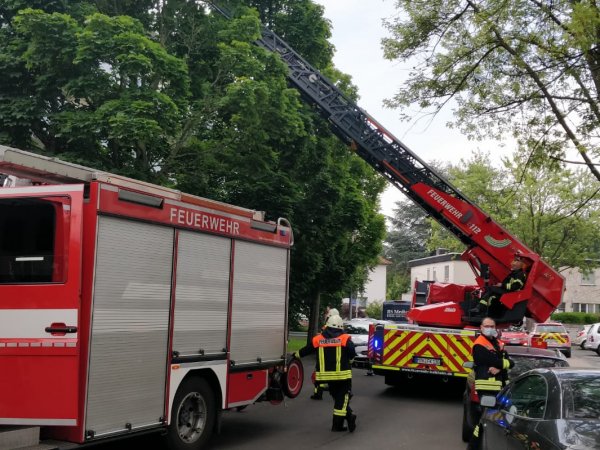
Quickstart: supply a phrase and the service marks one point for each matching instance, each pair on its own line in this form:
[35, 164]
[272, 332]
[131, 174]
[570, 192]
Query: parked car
[525, 359]
[547, 409]
[593, 338]
[358, 329]
[552, 335]
[515, 336]
[581, 337]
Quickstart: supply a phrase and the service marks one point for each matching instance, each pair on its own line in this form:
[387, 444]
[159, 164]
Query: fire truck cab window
[33, 238]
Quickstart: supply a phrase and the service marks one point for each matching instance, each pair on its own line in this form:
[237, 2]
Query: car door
[526, 407]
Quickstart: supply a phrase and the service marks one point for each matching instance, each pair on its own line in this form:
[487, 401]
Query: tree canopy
[169, 92]
[522, 69]
[555, 212]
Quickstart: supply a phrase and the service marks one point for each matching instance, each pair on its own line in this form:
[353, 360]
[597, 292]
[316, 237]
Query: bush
[576, 317]
[374, 310]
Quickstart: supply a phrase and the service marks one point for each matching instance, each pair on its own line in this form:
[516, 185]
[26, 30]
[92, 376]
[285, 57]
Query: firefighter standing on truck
[335, 352]
[491, 364]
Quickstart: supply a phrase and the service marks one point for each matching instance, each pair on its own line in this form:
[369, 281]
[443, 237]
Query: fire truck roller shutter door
[202, 294]
[130, 325]
[259, 302]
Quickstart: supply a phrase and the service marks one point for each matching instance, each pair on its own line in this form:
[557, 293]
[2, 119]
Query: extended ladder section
[487, 242]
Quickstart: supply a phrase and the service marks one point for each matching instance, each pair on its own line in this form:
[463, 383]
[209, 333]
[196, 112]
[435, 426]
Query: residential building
[582, 293]
[442, 267]
[374, 291]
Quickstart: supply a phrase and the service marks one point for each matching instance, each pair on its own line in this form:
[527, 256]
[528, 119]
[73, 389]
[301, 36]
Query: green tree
[523, 68]
[166, 91]
[554, 211]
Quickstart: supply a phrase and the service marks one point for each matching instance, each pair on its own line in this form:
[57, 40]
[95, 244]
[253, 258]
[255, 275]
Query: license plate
[427, 361]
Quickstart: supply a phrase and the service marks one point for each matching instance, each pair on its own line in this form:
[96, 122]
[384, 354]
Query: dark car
[548, 409]
[525, 358]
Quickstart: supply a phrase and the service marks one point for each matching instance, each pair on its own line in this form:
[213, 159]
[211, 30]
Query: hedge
[576, 317]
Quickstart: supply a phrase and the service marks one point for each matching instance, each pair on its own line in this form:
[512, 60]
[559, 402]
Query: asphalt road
[418, 415]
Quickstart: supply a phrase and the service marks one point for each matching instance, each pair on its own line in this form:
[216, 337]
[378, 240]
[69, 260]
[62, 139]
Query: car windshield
[525, 363]
[551, 329]
[581, 393]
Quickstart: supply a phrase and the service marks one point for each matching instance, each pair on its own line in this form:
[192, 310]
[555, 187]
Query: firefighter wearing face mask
[491, 364]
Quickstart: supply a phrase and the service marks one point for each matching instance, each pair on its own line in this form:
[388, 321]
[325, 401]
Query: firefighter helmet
[335, 322]
[332, 312]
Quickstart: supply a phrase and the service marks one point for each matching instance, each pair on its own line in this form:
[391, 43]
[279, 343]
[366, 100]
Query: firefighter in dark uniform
[320, 387]
[491, 364]
[335, 352]
[515, 281]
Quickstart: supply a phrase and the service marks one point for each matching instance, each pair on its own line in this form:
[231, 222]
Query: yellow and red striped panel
[441, 353]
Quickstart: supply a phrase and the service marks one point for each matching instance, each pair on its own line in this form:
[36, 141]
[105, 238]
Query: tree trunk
[313, 323]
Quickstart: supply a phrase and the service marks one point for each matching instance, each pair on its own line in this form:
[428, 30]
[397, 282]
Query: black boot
[338, 424]
[317, 396]
[351, 418]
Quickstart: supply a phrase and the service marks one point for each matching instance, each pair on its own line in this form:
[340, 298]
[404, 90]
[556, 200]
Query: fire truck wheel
[193, 415]
[293, 378]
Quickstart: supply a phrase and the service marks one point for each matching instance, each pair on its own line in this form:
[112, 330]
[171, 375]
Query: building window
[575, 307]
[434, 275]
[446, 273]
[561, 307]
[588, 279]
[428, 274]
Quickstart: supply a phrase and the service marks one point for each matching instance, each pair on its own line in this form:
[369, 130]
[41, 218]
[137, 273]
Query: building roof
[434, 259]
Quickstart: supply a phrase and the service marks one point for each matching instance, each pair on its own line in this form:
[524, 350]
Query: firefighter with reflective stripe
[515, 281]
[335, 352]
[320, 387]
[491, 364]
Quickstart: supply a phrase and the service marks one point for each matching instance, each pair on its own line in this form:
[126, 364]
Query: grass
[296, 343]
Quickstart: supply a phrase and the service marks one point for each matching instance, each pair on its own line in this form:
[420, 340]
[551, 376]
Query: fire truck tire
[293, 378]
[193, 415]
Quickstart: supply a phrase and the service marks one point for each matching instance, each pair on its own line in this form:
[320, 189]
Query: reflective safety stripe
[342, 412]
[333, 376]
[505, 363]
[476, 431]
[491, 384]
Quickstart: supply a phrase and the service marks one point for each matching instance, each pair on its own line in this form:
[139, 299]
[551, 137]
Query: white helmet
[332, 312]
[335, 322]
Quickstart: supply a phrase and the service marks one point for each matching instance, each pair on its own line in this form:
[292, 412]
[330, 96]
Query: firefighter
[515, 281]
[320, 387]
[491, 364]
[335, 352]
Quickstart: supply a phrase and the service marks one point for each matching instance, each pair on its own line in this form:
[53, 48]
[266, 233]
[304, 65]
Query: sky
[357, 31]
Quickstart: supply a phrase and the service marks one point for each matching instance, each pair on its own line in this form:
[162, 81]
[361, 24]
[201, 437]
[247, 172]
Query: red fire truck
[127, 307]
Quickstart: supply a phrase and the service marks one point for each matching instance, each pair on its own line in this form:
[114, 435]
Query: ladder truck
[440, 336]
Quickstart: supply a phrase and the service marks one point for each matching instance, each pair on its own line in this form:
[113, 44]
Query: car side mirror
[468, 364]
[489, 401]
